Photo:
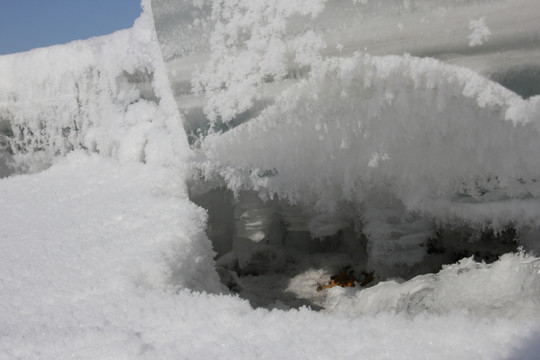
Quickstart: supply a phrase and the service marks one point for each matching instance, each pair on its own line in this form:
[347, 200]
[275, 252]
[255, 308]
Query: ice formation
[290, 102]
[321, 137]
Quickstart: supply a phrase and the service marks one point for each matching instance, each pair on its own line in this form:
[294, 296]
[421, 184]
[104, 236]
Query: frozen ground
[389, 165]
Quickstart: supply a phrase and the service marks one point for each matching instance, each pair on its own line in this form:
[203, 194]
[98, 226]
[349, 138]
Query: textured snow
[361, 138]
[192, 43]
[97, 257]
[107, 94]
[105, 256]
[440, 139]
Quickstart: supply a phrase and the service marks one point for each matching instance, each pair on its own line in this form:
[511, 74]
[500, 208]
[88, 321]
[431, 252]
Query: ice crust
[105, 256]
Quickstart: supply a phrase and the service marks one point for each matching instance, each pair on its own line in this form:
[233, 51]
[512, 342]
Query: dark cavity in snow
[523, 80]
[266, 254]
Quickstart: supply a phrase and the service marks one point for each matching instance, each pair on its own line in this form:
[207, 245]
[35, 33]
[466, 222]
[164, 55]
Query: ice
[186, 188]
[483, 289]
[439, 162]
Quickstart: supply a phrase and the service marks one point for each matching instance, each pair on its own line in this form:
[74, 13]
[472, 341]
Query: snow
[480, 32]
[429, 150]
[93, 280]
[91, 270]
[442, 130]
[81, 239]
[318, 149]
[107, 94]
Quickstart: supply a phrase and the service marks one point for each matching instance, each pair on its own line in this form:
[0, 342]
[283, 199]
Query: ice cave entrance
[266, 253]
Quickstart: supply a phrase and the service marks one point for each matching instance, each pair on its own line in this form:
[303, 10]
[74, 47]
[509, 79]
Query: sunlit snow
[192, 187]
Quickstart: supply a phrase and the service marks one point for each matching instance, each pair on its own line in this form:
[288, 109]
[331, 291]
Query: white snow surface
[97, 256]
[105, 257]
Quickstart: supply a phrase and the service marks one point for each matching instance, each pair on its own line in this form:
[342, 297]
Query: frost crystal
[480, 32]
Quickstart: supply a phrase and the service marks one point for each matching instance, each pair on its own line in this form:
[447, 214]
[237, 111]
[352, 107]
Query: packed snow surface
[311, 106]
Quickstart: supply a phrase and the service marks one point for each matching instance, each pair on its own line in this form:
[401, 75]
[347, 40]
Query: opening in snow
[523, 80]
[267, 253]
